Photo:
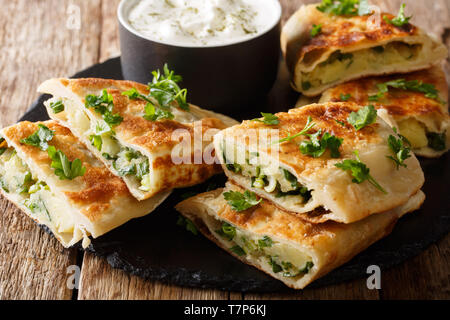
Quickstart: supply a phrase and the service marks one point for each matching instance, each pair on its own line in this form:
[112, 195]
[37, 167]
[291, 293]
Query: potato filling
[340, 64]
[126, 161]
[282, 183]
[281, 257]
[17, 179]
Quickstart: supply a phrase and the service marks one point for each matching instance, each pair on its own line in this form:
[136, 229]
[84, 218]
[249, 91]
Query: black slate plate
[154, 247]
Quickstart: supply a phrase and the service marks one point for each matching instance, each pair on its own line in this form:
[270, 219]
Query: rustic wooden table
[48, 38]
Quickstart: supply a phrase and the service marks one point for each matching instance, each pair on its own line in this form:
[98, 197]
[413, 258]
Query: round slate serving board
[155, 247]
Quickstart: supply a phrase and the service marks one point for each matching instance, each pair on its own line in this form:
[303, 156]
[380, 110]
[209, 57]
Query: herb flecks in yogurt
[202, 22]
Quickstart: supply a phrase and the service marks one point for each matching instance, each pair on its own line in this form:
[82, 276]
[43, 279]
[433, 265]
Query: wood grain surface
[42, 40]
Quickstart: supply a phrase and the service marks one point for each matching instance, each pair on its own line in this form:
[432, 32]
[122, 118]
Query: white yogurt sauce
[203, 22]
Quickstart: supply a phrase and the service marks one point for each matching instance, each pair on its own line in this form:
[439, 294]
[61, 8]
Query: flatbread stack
[367, 58]
[106, 157]
[308, 193]
[310, 188]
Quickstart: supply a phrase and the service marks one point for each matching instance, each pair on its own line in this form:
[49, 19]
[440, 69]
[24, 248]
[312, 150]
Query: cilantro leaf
[154, 114]
[40, 138]
[399, 149]
[65, 169]
[309, 125]
[400, 20]
[428, 89]
[342, 123]
[363, 117]
[359, 171]
[316, 147]
[57, 106]
[345, 97]
[104, 105]
[269, 119]
[345, 7]
[339, 7]
[316, 29]
[165, 90]
[241, 201]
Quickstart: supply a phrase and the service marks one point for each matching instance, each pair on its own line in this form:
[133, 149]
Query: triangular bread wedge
[136, 140]
[423, 120]
[73, 209]
[351, 47]
[284, 246]
[254, 155]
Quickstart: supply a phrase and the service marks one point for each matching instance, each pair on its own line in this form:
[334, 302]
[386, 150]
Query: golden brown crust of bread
[398, 102]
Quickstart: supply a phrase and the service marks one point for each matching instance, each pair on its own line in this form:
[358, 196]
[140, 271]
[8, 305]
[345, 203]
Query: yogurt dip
[196, 23]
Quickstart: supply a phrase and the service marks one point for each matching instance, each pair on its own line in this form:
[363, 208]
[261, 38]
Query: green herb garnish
[342, 123]
[316, 29]
[428, 89]
[345, 97]
[57, 106]
[64, 168]
[309, 125]
[165, 90]
[363, 117]
[40, 138]
[399, 149]
[359, 171]
[104, 105]
[241, 201]
[269, 119]
[400, 20]
[316, 147]
[345, 7]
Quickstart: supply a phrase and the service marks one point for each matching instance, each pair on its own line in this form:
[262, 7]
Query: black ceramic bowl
[222, 78]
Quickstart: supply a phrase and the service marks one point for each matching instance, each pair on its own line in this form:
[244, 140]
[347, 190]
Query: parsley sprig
[401, 152]
[345, 7]
[104, 105]
[309, 125]
[64, 169]
[241, 201]
[315, 30]
[428, 89]
[363, 117]
[39, 138]
[269, 119]
[316, 146]
[359, 171]
[165, 90]
[400, 20]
